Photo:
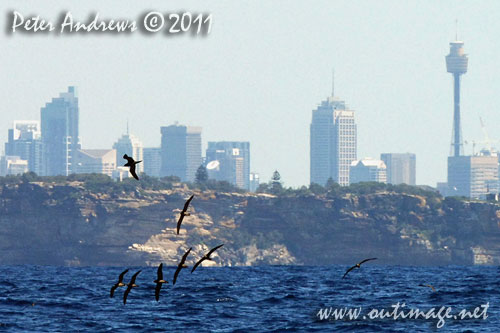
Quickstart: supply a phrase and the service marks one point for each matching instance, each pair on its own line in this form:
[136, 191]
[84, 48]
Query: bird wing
[186, 205]
[129, 288]
[120, 278]
[157, 291]
[160, 272]
[179, 267]
[197, 264]
[367, 260]
[185, 255]
[132, 280]
[347, 272]
[214, 249]
[179, 223]
[132, 171]
[113, 290]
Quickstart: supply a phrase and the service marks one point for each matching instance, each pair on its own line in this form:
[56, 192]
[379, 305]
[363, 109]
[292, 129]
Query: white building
[96, 161]
[12, 165]
[368, 170]
[333, 142]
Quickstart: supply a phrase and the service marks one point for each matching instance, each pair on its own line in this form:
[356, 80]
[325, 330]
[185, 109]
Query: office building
[254, 181]
[368, 170]
[229, 161]
[24, 140]
[60, 138]
[12, 165]
[152, 161]
[473, 176]
[333, 142]
[180, 151]
[96, 161]
[401, 168]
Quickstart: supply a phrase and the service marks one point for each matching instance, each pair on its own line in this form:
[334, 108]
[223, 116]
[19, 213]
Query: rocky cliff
[68, 224]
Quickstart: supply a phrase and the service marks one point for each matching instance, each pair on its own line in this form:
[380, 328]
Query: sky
[261, 71]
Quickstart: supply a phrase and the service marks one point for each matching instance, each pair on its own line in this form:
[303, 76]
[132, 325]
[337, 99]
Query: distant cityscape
[51, 147]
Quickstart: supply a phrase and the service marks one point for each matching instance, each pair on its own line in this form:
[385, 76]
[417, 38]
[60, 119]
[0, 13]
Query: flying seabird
[130, 285]
[206, 257]
[181, 265]
[119, 283]
[427, 285]
[131, 163]
[184, 213]
[159, 281]
[358, 265]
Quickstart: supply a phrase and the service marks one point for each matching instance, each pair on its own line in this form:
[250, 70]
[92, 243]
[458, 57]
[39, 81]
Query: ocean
[251, 299]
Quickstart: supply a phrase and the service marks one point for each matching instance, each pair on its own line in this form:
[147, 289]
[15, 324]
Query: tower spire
[456, 29]
[127, 127]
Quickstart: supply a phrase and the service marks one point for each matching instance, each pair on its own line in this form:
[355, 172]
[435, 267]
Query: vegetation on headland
[98, 220]
[105, 184]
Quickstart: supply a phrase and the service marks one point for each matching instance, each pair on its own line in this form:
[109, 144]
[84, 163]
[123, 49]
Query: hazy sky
[261, 71]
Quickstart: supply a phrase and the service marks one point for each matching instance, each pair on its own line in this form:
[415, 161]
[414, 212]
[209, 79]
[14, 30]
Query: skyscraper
[233, 162]
[60, 140]
[333, 142]
[24, 141]
[401, 168]
[180, 151]
[131, 145]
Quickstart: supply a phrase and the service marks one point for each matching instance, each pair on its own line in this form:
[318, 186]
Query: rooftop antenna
[127, 127]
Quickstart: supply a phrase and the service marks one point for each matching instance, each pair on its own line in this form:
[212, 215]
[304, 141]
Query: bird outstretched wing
[362, 262]
[197, 264]
[347, 272]
[214, 249]
[186, 205]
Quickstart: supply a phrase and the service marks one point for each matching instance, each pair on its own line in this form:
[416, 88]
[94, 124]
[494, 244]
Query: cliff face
[42, 223]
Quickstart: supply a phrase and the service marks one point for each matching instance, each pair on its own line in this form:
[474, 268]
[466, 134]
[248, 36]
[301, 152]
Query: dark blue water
[245, 299]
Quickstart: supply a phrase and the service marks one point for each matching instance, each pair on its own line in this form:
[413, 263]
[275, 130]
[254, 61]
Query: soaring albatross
[206, 257]
[184, 213]
[358, 265]
[159, 281]
[131, 164]
[130, 285]
[119, 283]
[181, 265]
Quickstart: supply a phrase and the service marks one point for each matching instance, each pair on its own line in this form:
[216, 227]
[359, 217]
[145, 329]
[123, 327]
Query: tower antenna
[127, 127]
[456, 29]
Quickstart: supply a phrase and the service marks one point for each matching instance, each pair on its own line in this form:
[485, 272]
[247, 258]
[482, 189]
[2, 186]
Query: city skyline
[152, 80]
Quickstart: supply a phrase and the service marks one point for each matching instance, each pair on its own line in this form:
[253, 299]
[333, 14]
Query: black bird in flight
[184, 213]
[427, 285]
[130, 285]
[159, 281]
[358, 265]
[206, 257]
[119, 283]
[131, 163]
[181, 265]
